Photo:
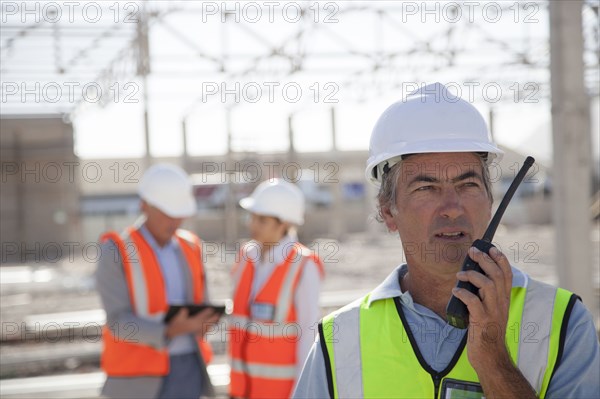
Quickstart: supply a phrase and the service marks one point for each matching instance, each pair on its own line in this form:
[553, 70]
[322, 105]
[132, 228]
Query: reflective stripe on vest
[363, 342]
[263, 351]
[534, 338]
[263, 370]
[146, 277]
[147, 292]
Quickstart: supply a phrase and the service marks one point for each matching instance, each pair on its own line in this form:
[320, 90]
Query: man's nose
[450, 206]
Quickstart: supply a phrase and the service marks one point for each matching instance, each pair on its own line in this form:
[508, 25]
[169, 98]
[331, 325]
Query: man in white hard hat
[276, 296]
[429, 155]
[141, 272]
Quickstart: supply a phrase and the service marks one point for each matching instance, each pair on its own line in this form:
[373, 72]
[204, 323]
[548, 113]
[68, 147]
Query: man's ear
[388, 218]
[144, 206]
[286, 227]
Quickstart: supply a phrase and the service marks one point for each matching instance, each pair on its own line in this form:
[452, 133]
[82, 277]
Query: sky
[350, 59]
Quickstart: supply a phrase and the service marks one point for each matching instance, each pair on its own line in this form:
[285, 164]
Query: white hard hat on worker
[431, 119]
[168, 188]
[277, 198]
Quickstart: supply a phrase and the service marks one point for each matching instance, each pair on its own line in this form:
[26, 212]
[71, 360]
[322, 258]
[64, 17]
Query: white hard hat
[276, 198]
[168, 188]
[431, 119]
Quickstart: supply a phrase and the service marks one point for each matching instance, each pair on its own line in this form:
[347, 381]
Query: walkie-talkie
[456, 311]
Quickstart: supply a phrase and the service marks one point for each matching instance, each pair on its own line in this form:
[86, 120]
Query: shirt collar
[278, 252]
[390, 287]
[150, 240]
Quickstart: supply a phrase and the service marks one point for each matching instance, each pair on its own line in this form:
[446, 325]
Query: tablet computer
[194, 309]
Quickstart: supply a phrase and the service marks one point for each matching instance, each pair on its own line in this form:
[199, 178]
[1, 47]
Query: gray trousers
[184, 380]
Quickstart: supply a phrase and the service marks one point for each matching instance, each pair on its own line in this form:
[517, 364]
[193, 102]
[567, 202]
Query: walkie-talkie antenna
[491, 230]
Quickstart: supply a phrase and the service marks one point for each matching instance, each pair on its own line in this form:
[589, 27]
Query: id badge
[262, 311]
[455, 389]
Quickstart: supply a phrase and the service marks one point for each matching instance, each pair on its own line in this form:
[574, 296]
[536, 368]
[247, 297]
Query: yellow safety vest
[370, 351]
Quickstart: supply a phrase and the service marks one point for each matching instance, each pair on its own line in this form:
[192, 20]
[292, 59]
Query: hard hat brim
[183, 210]
[430, 146]
[247, 203]
[250, 204]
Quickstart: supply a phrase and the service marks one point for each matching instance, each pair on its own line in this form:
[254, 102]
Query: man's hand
[488, 312]
[198, 324]
[488, 316]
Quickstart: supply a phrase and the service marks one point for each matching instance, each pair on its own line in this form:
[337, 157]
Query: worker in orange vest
[276, 292]
[142, 271]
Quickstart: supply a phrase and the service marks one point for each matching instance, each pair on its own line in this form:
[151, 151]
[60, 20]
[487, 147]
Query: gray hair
[386, 198]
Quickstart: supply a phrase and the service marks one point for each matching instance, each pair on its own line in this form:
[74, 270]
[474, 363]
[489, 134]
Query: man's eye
[424, 188]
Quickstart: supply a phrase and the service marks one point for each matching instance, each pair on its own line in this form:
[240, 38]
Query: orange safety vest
[263, 333]
[121, 357]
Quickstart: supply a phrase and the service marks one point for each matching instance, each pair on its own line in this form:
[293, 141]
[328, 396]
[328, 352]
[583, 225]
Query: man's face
[442, 207]
[161, 226]
[266, 229]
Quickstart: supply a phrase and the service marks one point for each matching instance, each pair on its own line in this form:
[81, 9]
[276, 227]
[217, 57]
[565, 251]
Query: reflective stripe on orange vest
[263, 350]
[128, 358]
